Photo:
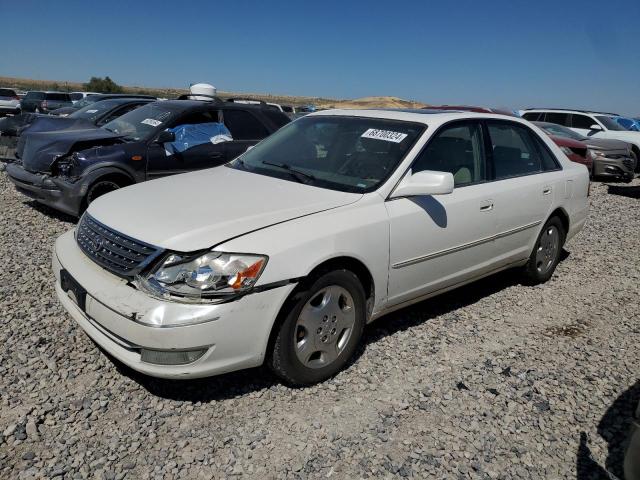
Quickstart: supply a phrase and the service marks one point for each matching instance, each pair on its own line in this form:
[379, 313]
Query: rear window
[76, 96]
[35, 95]
[7, 92]
[60, 97]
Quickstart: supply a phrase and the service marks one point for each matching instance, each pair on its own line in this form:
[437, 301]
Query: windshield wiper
[297, 174]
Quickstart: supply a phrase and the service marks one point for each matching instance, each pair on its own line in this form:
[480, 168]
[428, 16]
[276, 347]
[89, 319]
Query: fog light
[171, 357]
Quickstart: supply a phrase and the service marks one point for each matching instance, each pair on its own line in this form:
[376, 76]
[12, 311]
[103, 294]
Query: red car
[574, 150]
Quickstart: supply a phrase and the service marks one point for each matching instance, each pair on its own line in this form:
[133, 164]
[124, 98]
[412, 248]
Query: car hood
[38, 150]
[198, 210]
[607, 144]
[626, 136]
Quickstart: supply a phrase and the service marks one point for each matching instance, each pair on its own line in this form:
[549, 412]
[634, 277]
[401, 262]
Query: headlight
[566, 150]
[596, 153]
[208, 276]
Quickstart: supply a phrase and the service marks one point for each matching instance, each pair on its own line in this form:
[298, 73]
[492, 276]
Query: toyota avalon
[285, 253]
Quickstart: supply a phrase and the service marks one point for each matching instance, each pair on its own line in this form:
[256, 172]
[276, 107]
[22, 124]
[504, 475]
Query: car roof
[414, 115]
[184, 104]
[124, 101]
[567, 110]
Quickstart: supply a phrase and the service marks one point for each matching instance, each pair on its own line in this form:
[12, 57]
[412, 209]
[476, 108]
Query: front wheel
[99, 188]
[546, 253]
[321, 330]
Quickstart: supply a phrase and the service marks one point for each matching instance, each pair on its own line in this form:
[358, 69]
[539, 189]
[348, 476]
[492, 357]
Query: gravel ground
[494, 380]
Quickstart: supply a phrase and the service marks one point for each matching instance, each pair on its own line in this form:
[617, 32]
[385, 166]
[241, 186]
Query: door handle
[487, 207]
[546, 191]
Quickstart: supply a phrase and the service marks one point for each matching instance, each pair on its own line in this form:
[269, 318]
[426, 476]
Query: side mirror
[165, 136]
[595, 127]
[424, 183]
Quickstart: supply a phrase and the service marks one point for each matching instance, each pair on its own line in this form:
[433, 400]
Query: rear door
[441, 240]
[246, 129]
[526, 177]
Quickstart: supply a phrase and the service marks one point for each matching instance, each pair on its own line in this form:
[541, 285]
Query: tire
[635, 157]
[99, 188]
[321, 329]
[546, 253]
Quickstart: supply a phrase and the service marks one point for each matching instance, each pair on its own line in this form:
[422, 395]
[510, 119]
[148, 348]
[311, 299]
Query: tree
[103, 85]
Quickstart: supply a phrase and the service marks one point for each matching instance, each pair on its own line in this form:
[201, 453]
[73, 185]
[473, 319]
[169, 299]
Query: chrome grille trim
[112, 250]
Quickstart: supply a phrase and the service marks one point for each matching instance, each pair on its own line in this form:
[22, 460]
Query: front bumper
[54, 192]
[614, 168]
[124, 320]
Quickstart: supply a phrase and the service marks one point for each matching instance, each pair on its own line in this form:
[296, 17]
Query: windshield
[561, 131]
[351, 154]
[141, 123]
[93, 110]
[609, 123]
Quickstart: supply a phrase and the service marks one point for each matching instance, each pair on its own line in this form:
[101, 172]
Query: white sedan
[284, 254]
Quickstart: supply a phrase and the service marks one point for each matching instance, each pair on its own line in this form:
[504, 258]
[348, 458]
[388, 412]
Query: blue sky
[576, 54]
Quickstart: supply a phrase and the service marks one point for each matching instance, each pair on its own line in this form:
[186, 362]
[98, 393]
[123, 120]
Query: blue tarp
[188, 136]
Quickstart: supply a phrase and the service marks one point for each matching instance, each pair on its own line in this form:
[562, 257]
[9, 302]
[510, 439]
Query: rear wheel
[322, 327]
[546, 253]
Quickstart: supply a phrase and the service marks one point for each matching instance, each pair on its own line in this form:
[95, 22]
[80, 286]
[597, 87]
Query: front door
[441, 240]
[168, 159]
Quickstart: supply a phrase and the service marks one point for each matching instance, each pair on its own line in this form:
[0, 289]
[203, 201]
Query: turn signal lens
[136, 158]
[246, 276]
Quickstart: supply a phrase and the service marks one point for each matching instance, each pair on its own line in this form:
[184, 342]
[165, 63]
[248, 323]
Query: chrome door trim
[475, 243]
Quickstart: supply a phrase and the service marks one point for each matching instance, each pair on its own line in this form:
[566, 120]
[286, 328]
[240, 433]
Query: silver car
[9, 102]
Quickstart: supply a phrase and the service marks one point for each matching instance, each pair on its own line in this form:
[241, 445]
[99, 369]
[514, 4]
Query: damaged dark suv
[68, 169]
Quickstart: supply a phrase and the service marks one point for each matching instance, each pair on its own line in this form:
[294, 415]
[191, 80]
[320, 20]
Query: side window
[533, 116]
[514, 152]
[559, 118]
[198, 117]
[457, 149]
[581, 121]
[243, 125]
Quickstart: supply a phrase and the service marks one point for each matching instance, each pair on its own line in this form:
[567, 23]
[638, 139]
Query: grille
[112, 250]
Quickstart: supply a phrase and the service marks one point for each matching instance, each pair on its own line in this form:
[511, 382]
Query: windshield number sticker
[91, 111]
[151, 121]
[386, 135]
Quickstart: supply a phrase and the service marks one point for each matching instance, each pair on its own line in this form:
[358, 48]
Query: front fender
[296, 247]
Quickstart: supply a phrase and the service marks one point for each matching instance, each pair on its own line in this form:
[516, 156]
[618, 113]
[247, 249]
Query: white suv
[588, 124]
[285, 253]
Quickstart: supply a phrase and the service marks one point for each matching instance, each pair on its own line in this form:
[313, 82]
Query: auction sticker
[151, 121]
[386, 135]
